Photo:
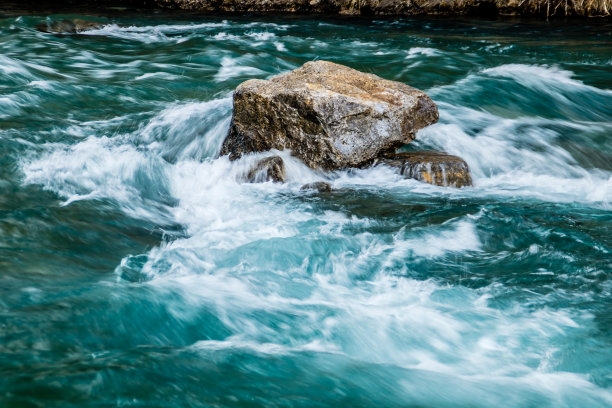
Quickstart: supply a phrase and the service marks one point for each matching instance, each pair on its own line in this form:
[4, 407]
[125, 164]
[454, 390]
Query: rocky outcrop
[334, 117]
[268, 169]
[68, 26]
[432, 167]
[320, 186]
[330, 116]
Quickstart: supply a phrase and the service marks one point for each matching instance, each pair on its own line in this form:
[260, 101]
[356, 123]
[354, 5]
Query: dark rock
[436, 168]
[268, 169]
[68, 26]
[330, 116]
[320, 186]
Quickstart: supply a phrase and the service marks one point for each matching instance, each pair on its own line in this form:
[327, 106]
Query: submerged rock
[320, 186]
[268, 169]
[330, 116]
[68, 26]
[436, 168]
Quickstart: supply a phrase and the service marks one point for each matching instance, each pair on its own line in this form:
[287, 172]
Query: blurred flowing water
[136, 269]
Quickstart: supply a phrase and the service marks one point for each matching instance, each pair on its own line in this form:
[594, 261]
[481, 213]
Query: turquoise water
[137, 270]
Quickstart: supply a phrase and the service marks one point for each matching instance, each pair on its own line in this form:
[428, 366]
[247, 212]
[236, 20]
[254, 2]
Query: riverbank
[547, 8]
[488, 8]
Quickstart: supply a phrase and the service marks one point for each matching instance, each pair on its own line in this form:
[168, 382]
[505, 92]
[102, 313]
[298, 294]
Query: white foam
[456, 237]
[540, 76]
[280, 46]
[420, 51]
[10, 66]
[15, 71]
[98, 168]
[157, 33]
[44, 85]
[225, 36]
[152, 34]
[518, 157]
[267, 26]
[449, 332]
[235, 67]
[8, 107]
[161, 75]
[235, 343]
[261, 36]
[188, 130]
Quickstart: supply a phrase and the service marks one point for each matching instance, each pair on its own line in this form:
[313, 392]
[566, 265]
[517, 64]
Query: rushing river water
[136, 269]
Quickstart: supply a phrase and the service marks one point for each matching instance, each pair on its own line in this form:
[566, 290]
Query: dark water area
[137, 269]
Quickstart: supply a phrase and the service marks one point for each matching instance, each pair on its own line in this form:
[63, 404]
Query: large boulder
[436, 168]
[330, 116]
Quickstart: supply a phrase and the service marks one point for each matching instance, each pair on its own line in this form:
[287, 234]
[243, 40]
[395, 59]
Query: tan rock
[436, 168]
[330, 116]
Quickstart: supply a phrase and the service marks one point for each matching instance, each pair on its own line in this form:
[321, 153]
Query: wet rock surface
[436, 168]
[320, 186]
[330, 116]
[268, 169]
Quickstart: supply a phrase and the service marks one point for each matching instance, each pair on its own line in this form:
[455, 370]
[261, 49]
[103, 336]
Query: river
[137, 269]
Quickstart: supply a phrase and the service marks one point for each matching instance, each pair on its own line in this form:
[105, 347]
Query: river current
[137, 269]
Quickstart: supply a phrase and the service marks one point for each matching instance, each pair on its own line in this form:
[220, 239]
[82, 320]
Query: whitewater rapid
[379, 277]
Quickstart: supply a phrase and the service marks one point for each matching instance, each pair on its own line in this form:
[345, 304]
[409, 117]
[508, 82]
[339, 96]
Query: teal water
[137, 270]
